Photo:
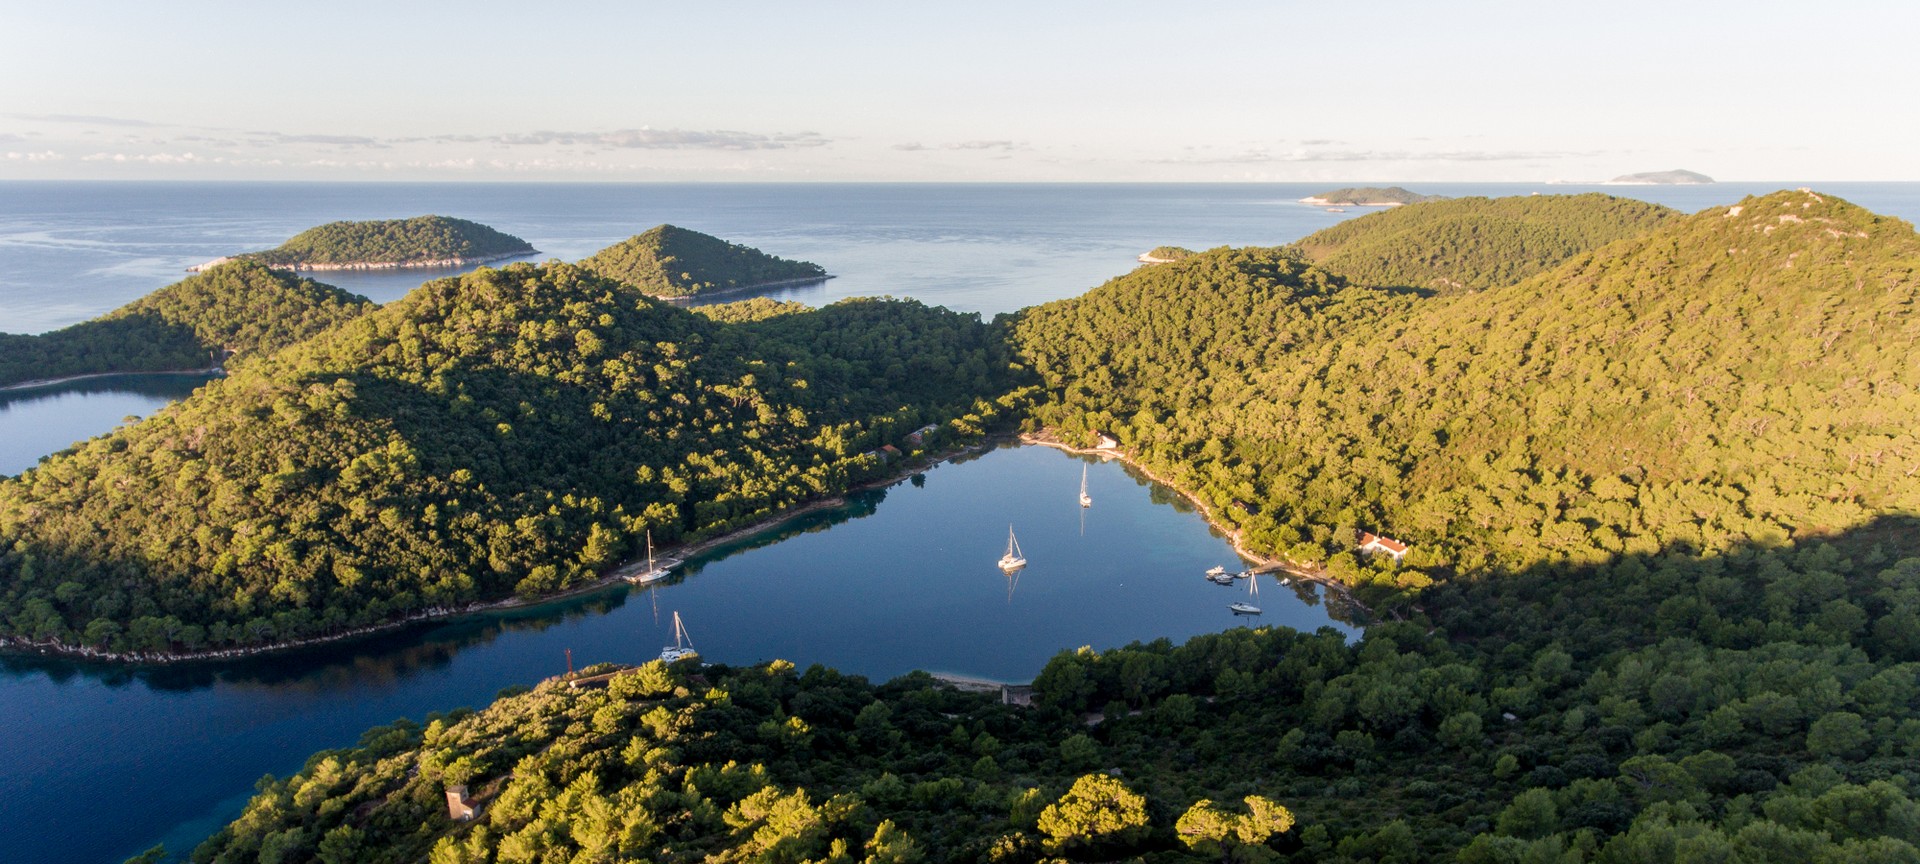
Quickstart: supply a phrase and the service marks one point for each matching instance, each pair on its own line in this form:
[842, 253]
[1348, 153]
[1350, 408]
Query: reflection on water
[37, 421]
[873, 590]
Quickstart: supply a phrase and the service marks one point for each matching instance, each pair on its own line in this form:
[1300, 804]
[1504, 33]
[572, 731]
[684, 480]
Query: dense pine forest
[240, 308]
[1657, 472]
[1760, 704]
[1740, 375]
[400, 242]
[669, 261]
[1470, 244]
[510, 432]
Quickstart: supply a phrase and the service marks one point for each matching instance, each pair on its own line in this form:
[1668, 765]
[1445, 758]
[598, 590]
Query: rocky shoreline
[1263, 563]
[437, 263]
[14, 644]
[65, 379]
[690, 299]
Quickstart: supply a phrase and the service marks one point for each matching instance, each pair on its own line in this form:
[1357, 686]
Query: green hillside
[241, 308]
[1470, 244]
[1740, 374]
[513, 431]
[395, 242]
[1759, 706]
[668, 261]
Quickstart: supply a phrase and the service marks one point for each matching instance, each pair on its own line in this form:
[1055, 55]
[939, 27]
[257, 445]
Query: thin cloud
[1259, 157]
[1001, 145]
[639, 139]
[82, 119]
[333, 140]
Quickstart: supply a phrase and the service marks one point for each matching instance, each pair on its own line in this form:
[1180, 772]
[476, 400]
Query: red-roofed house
[1372, 543]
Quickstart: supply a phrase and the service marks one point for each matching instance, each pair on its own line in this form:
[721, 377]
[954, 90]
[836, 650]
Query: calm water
[904, 579]
[40, 420]
[72, 251]
[908, 583]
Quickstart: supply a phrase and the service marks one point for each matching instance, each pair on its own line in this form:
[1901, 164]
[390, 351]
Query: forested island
[422, 241]
[240, 310]
[1662, 600]
[507, 433]
[671, 262]
[1165, 254]
[1368, 196]
[1471, 244]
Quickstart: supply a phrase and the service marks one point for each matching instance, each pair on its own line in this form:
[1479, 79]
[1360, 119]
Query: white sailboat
[682, 646]
[1013, 560]
[1085, 499]
[1216, 570]
[654, 572]
[1246, 607]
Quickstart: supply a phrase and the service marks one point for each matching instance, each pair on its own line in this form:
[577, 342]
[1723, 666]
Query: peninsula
[239, 308]
[387, 244]
[1367, 196]
[1471, 244]
[1662, 590]
[1676, 177]
[670, 262]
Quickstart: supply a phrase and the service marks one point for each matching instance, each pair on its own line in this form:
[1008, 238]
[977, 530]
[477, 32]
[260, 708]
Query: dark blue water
[877, 587]
[36, 421]
[898, 579]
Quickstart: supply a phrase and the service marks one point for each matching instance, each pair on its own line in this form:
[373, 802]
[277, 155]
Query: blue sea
[898, 579]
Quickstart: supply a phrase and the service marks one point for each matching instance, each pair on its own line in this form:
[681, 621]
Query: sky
[981, 91]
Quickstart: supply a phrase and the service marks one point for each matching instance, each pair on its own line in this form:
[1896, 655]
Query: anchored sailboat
[1246, 607]
[1085, 499]
[654, 572]
[682, 646]
[1013, 560]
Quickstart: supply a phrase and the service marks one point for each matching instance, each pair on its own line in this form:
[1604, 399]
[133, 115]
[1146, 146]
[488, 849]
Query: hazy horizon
[1072, 92]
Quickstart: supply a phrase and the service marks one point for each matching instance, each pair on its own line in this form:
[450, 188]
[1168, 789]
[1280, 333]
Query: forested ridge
[1757, 705]
[670, 261]
[1742, 374]
[510, 431]
[240, 307]
[1662, 605]
[1470, 244]
[418, 240]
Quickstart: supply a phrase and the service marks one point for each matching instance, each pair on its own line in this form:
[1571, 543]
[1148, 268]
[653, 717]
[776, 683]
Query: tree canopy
[1471, 244]
[1726, 377]
[511, 431]
[418, 240]
[669, 261]
[240, 308]
[1759, 704]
